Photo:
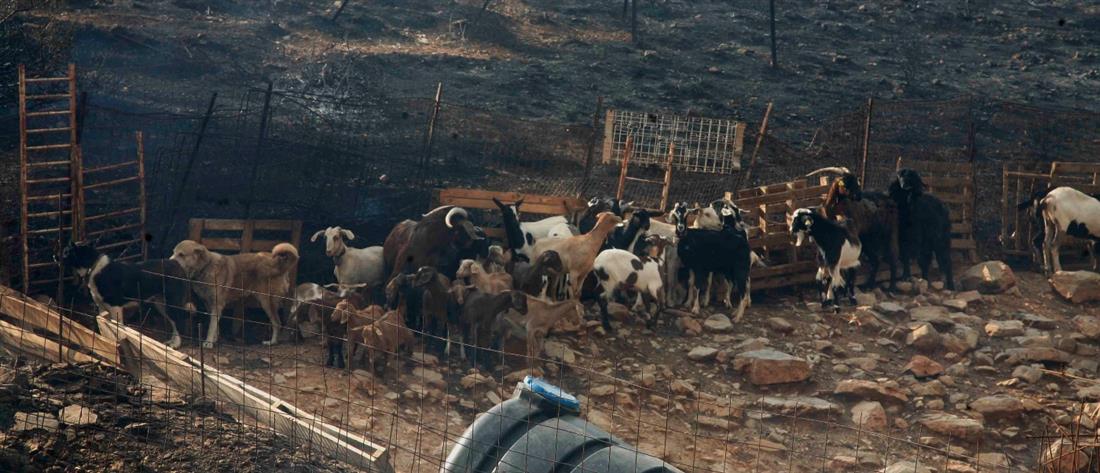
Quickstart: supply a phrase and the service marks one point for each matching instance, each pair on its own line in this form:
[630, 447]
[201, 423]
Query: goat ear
[317, 235]
[347, 234]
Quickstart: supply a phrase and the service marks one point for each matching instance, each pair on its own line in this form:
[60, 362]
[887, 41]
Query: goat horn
[455, 211]
[831, 169]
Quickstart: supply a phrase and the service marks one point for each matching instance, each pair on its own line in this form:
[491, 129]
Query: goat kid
[838, 252]
[621, 271]
[475, 274]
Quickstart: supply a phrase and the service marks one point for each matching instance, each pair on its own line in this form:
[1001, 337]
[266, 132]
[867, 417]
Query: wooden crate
[952, 183]
[1018, 230]
[533, 204]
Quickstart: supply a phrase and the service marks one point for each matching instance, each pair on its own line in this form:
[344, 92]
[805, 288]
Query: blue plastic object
[552, 393]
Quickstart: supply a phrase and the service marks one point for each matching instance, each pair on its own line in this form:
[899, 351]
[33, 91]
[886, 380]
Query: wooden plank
[535, 209]
[19, 308]
[222, 244]
[509, 197]
[22, 342]
[215, 224]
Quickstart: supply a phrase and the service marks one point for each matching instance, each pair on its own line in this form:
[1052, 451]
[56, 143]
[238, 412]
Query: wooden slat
[48, 113]
[35, 80]
[24, 310]
[117, 213]
[48, 180]
[222, 244]
[36, 131]
[114, 182]
[48, 164]
[536, 209]
[120, 228]
[118, 244]
[29, 344]
[53, 197]
[109, 167]
[49, 147]
[47, 96]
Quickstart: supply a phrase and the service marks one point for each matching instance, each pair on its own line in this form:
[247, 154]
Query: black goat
[924, 226]
[724, 252]
[838, 250]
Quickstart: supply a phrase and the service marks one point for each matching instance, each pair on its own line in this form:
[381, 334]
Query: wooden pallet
[952, 183]
[542, 205]
[1019, 184]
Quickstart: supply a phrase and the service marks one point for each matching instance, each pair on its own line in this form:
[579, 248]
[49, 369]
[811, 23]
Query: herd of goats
[440, 276]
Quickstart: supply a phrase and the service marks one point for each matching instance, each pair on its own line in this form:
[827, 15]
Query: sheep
[388, 334]
[481, 309]
[364, 266]
[874, 216]
[541, 278]
[543, 316]
[1066, 211]
[523, 235]
[838, 251]
[924, 226]
[578, 252]
[621, 270]
[725, 252]
[349, 319]
[476, 275]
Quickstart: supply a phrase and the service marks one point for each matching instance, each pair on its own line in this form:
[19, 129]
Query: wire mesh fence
[406, 406]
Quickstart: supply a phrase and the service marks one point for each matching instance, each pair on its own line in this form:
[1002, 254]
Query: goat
[481, 309]
[541, 278]
[427, 242]
[523, 235]
[562, 230]
[874, 216]
[627, 237]
[320, 304]
[541, 317]
[578, 252]
[349, 320]
[388, 334]
[838, 248]
[707, 218]
[924, 226]
[725, 252]
[364, 266]
[620, 270]
[477, 276]
[1065, 211]
[596, 206]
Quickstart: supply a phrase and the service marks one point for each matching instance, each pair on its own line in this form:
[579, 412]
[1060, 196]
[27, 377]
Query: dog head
[801, 222]
[81, 257]
[192, 256]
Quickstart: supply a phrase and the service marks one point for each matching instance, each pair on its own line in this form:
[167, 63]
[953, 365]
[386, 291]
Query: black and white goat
[620, 271]
[523, 235]
[115, 284]
[1066, 211]
[724, 252]
[924, 226]
[838, 252]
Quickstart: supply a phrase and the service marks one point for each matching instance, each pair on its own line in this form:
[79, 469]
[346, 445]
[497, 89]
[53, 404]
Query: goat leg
[604, 316]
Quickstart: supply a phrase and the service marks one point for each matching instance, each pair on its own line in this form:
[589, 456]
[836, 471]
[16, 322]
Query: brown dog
[221, 279]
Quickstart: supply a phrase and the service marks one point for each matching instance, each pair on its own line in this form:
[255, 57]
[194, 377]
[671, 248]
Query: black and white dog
[115, 284]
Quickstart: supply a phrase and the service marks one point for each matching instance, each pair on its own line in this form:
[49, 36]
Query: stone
[990, 277]
[1077, 286]
[278, 379]
[865, 298]
[935, 315]
[924, 337]
[969, 297]
[952, 425]
[1015, 356]
[1027, 373]
[690, 326]
[909, 466]
[870, 415]
[682, 387]
[1004, 328]
[1088, 325]
[1063, 457]
[559, 351]
[76, 414]
[425, 358]
[934, 404]
[957, 304]
[718, 323]
[474, 379]
[871, 390]
[1036, 321]
[842, 463]
[864, 363]
[780, 325]
[34, 420]
[922, 367]
[801, 406]
[992, 460]
[431, 377]
[892, 309]
[998, 406]
[931, 388]
[713, 422]
[758, 343]
[701, 353]
[602, 390]
[769, 366]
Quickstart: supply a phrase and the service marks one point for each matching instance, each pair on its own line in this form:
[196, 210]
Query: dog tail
[284, 257]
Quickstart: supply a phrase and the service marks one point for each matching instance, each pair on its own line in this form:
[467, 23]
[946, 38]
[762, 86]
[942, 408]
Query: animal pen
[315, 160]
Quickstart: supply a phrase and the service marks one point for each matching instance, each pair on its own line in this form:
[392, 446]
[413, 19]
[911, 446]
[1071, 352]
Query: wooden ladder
[49, 173]
[665, 184]
[114, 220]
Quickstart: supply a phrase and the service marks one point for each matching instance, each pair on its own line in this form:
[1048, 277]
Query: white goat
[623, 271]
[354, 266]
[1067, 212]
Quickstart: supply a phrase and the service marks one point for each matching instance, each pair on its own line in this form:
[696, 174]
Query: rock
[1004, 328]
[780, 325]
[957, 304]
[330, 402]
[1077, 286]
[924, 337]
[1062, 457]
[76, 414]
[999, 406]
[474, 379]
[864, 363]
[559, 351]
[935, 315]
[922, 367]
[892, 309]
[931, 388]
[908, 466]
[969, 297]
[1088, 366]
[1036, 321]
[769, 366]
[425, 358]
[990, 277]
[1088, 325]
[865, 298]
[682, 387]
[870, 390]
[1015, 356]
[801, 406]
[718, 323]
[432, 377]
[842, 463]
[1027, 373]
[690, 326]
[713, 422]
[34, 420]
[962, 339]
[701, 353]
[602, 390]
[870, 415]
[906, 287]
[993, 461]
[1089, 392]
[758, 343]
[952, 425]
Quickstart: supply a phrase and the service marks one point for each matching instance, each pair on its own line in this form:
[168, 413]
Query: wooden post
[590, 152]
[634, 21]
[866, 142]
[426, 159]
[668, 176]
[141, 192]
[76, 166]
[747, 175]
[259, 151]
[58, 246]
[23, 224]
[627, 152]
[771, 10]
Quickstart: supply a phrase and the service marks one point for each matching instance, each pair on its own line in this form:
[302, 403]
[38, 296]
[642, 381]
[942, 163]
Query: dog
[223, 279]
[115, 284]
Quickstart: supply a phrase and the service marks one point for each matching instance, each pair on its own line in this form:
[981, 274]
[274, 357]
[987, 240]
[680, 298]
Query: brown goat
[427, 242]
[384, 336]
[484, 281]
[541, 317]
[579, 252]
[352, 320]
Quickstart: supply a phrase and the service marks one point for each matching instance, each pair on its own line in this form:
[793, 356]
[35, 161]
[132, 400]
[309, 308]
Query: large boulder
[999, 406]
[1077, 286]
[870, 390]
[869, 415]
[769, 366]
[990, 277]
